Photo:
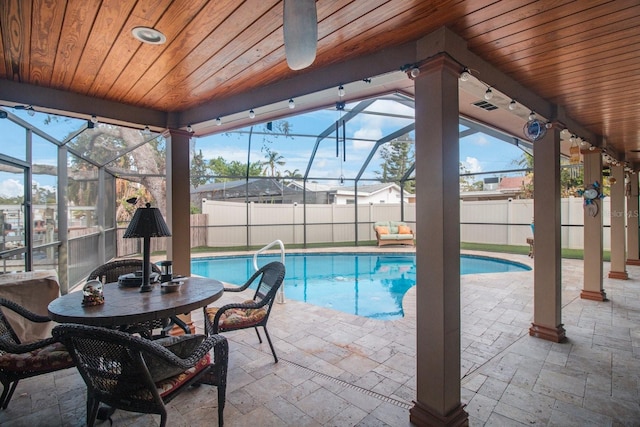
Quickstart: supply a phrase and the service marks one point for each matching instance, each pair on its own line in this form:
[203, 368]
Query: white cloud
[472, 165]
[11, 188]
[480, 140]
[366, 133]
[371, 126]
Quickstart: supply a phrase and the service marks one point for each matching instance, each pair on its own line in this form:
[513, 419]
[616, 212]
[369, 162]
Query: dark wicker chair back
[270, 278]
[116, 369]
[114, 269]
[18, 360]
[110, 273]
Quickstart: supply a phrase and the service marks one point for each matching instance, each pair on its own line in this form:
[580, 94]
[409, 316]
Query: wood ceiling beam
[70, 104]
[315, 80]
[446, 41]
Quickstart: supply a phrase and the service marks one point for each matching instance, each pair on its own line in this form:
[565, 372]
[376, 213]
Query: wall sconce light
[146, 131]
[252, 114]
[488, 94]
[218, 121]
[465, 75]
[415, 72]
[340, 91]
[513, 105]
[532, 115]
[189, 129]
[292, 104]
[94, 119]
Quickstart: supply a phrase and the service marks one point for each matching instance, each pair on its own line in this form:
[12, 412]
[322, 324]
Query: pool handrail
[280, 294]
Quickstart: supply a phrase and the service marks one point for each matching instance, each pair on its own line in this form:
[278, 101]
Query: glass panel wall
[44, 199]
[13, 241]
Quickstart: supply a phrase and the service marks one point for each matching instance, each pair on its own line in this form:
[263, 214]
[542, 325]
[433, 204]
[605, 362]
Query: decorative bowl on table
[172, 286]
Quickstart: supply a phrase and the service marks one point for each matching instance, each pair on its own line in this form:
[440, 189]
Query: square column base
[421, 416]
[622, 275]
[593, 295]
[556, 334]
[633, 262]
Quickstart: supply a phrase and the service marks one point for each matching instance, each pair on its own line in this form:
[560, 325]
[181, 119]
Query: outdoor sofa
[393, 233]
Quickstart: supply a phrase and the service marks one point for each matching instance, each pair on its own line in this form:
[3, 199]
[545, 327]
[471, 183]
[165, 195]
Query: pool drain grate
[378, 396]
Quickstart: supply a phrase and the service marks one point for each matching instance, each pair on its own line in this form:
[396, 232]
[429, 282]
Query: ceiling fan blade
[300, 32]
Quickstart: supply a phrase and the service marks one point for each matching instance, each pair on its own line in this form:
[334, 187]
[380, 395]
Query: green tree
[198, 170]
[466, 181]
[397, 157]
[273, 159]
[122, 151]
[229, 171]
[571, 176]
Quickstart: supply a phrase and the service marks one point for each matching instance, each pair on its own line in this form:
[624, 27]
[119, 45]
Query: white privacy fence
[508, 222]
[493, 221]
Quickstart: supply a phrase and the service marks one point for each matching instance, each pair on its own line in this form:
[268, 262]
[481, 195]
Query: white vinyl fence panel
[495, 222]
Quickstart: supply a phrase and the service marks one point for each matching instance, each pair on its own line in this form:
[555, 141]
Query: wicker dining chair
[132, 373]
[114, 269]
[24, 360]
[251, 313]
[111, 271]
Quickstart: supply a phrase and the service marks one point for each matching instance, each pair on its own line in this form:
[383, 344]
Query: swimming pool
[364, 284]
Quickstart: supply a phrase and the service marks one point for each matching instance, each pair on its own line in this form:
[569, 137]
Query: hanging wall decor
[535, 129]
[574, 152]
[591, 194]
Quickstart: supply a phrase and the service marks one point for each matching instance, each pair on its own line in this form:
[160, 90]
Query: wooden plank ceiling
[580, 55]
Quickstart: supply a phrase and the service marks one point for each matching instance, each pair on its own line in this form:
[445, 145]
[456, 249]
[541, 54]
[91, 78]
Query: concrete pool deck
[338, 369]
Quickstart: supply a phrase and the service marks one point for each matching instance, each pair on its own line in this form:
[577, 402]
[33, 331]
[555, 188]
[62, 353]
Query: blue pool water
[365, 284]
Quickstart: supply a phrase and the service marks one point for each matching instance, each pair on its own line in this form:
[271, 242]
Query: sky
[478, 152]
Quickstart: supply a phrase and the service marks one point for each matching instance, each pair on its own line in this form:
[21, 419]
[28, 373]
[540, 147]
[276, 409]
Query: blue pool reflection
[369, 285]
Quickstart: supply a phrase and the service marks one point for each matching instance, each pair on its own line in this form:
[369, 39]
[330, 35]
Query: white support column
[179, 209]
[618, 224]
[178, 201]
[547, 278]
[593, 270]
[633, 245]
[438, 249]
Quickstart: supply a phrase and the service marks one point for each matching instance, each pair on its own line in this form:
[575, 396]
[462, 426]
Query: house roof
[366, 190]
[513, 182]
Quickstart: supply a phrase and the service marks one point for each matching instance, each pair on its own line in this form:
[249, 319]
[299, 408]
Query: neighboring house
[377, 193]
[258, 190]
[271, 190]
[510, 187]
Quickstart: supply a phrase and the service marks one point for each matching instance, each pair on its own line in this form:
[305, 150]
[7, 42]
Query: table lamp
[147, 222]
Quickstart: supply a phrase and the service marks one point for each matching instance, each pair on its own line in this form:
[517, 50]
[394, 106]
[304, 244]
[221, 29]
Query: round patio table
[128, 306]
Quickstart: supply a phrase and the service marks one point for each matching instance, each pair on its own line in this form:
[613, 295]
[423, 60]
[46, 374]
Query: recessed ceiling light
[148, 35]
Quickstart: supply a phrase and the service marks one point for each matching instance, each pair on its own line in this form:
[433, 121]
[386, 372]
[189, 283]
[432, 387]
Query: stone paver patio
[338, 369]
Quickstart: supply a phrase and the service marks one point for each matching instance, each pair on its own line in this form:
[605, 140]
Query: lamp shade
[147, 222]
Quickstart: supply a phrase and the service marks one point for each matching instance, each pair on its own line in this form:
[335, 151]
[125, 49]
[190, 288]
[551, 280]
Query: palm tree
[273, 159]
[292, 175]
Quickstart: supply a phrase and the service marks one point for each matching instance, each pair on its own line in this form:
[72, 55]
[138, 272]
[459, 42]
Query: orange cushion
[403, 229]
[168, 385]
[382, 230]
[52, 357]
[235, 318]
[171, 384]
